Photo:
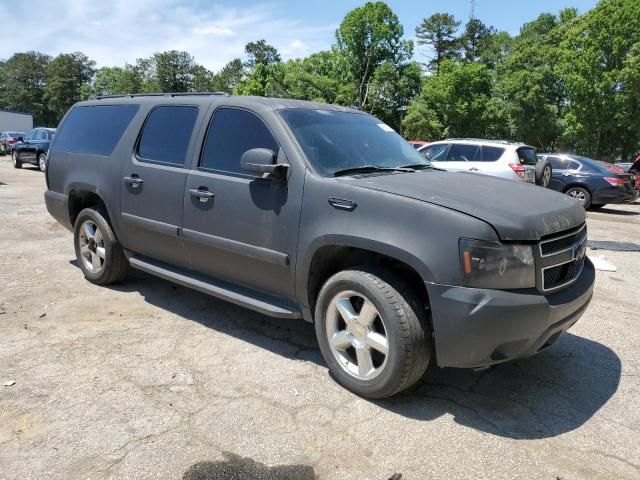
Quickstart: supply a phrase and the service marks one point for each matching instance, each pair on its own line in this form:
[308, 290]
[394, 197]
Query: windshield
[334, 141]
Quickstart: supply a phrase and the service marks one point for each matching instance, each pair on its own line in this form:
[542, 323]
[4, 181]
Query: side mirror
[261, 161]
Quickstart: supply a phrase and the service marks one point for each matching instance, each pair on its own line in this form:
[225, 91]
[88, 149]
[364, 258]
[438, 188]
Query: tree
[475, 39]
[368, 37]
[439, 33]
[115, 80]
[22, 81]
[228, 77]
[67, 75]
[454, 103]
[174, 71]
[202, 79]
[260, 53]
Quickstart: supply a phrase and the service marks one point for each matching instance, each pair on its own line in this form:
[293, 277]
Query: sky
[113, 32]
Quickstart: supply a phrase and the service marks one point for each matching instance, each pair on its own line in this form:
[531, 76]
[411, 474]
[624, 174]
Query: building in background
[15, 121]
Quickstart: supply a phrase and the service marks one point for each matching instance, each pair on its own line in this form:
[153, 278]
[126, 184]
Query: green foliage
[261, 53]
[228, 77]
[439, 33]
[475, 38]
[22, 81]
[174, 71]
[67, 76]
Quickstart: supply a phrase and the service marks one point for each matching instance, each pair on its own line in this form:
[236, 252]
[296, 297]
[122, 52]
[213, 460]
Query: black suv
[33, 148]
[304, 210]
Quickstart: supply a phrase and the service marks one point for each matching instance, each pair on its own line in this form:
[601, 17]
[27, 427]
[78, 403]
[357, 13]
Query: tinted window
[527, 156]
[435, 153]
[94, 130]
[42, 135]
[557, 163]
[459, 152]
[166, 134]
[491, 154]
[231, 133]
[574, 165]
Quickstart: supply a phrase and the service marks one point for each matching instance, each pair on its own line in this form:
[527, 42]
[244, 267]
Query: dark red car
[7, 139]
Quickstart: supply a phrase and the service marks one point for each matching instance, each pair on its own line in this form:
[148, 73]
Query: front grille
[561, 242]
[562, 257]
[559, 275]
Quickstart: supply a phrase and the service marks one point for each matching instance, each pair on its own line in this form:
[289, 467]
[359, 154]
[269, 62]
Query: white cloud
[113, 32]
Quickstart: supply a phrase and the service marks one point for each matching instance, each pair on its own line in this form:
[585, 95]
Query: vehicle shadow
[611, 211]
[552, 393]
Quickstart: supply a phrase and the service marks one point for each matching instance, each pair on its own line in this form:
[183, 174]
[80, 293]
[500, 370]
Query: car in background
[513, 161]
[417, 143]
[630, 167]
[592, 183]
[33, 148]
[7, 139]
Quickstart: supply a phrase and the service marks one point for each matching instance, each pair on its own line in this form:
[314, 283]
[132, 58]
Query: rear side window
[527, 156]
[231, 133]
[95, 129]
[435, 153]
[460, 152]
[491, 154]
[166, 134]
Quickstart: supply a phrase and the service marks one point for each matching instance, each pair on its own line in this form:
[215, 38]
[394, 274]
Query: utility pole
[473, 9]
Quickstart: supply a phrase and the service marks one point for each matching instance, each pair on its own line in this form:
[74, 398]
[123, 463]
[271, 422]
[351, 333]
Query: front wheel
[17, 163]
[42, 162]
[372, 332]
[99, 253]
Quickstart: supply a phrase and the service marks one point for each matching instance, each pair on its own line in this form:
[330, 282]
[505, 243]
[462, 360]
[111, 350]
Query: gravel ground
[151, 380]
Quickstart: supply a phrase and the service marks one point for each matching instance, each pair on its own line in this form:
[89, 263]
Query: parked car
[7, 139]
[513, 161]
[630, 167]
[594, 184]
[417, 143]
[33, 148]
[302, 210]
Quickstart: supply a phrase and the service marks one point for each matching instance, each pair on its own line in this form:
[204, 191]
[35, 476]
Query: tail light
[518, 169]
[615, 181]
[11, 140]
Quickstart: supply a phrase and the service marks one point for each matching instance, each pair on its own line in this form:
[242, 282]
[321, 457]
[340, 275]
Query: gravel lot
[150, 380]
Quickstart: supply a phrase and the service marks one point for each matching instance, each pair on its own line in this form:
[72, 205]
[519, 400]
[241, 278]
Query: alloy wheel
[92, 249]
[546, 176]
[42, 162]
[578, 195]
[357, 335]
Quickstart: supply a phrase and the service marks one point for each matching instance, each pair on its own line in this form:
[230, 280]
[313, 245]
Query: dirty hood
[517, 211]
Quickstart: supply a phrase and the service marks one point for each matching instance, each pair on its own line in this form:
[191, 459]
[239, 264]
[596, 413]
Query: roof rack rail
[175, 94]
[485, 140]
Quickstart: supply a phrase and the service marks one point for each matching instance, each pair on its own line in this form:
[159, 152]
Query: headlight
[496, 265]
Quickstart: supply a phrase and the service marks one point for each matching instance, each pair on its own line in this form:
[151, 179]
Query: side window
[460, 152]
[94, 129]
[231, 133]
[557, 163]
[435, 153]
[491, 154]
[573, 165]
[166, 134]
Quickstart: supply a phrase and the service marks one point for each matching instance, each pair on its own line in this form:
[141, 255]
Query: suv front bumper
[476, 327]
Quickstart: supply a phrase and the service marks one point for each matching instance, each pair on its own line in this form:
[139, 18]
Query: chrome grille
[562, 257]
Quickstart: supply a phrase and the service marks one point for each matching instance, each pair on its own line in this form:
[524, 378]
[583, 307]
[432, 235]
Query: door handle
[473, 169]
[133, 181]
[202, 195]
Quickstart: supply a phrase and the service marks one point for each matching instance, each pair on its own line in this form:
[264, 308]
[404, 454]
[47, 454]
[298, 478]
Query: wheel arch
[81, 196]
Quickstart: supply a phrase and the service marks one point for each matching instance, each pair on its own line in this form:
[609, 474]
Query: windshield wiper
[422, 166]
[370, 169]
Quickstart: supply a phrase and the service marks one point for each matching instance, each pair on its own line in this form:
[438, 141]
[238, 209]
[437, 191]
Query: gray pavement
[150, 380]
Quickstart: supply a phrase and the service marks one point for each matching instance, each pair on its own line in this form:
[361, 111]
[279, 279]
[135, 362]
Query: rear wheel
[372, 332]
[99, 253]
[42, 162]
[543, 173]
[17, 163]
[580, 194]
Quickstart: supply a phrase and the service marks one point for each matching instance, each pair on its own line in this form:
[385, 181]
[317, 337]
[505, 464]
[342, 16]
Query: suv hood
[517, 211]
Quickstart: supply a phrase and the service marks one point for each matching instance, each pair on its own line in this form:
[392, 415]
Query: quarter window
[491, 154]
[166, 134]
[527, 156]
[231, 133]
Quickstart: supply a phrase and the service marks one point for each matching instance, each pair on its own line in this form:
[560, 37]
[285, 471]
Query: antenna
[473, 9]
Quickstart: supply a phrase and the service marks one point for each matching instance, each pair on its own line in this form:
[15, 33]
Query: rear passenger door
[153, 182]
[238, 227]
[463, 157]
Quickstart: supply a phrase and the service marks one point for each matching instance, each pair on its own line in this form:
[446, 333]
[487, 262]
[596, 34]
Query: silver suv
[514, 161]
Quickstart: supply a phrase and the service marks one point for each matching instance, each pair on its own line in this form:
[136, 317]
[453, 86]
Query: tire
[102, 260]
[543, 173]
[398, 318]
[42, 162]
[580, 194]
[598, 206]
[17, 163]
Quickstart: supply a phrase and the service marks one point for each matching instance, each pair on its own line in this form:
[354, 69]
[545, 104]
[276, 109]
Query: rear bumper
[479, 327]
[57, 206]
[614, 195]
